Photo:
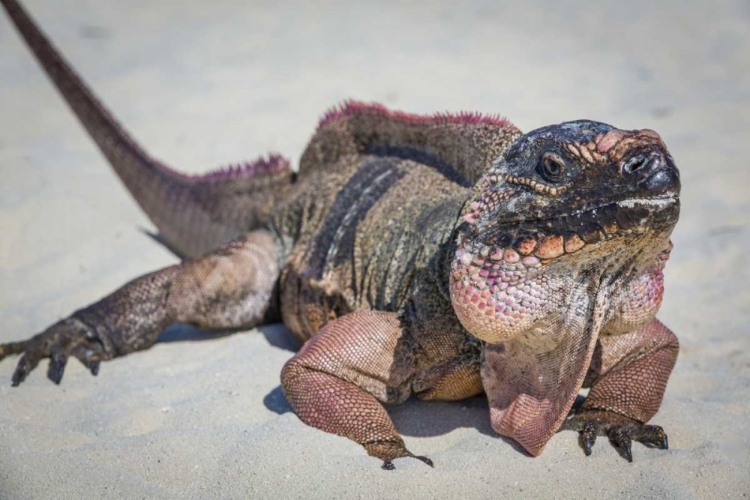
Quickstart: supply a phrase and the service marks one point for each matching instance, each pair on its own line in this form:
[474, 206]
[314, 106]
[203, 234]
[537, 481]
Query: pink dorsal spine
[353, 108]
[274, 164]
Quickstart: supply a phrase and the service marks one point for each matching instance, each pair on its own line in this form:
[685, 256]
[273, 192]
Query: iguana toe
[12, 348]
[388, 465]
[588, 438]
[620, 430]
[620, 439]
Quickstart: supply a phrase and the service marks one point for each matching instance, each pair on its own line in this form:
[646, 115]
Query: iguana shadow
[276, 335]
[418, 418]
[414, 418]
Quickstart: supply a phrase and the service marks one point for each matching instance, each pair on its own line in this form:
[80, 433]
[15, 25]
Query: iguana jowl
[440, 256]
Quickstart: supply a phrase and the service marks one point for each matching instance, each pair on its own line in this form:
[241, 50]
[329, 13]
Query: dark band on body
[335, 241]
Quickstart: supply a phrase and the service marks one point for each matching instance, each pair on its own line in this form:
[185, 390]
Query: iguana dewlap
[438, 256]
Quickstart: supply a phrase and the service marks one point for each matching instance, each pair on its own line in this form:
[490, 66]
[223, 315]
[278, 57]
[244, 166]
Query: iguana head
[563, 238]
[577, 199]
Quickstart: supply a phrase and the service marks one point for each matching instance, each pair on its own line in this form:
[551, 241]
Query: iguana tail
[194, 214]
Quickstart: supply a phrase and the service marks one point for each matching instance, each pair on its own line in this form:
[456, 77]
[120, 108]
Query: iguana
[439, 256]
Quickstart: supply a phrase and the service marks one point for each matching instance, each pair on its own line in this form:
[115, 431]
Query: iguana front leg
[228, 288]
[341, 376]
[627, 377]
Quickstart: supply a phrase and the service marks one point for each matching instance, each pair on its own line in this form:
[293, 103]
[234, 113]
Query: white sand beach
[203, 84]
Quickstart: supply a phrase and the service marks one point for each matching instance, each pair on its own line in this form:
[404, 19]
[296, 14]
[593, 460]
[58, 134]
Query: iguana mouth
[656, 202]
[604, 221]
[543, 239]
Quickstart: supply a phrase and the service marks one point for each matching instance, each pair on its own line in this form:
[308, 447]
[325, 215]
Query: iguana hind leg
[341, 377]
[627, 377]
[228, 288]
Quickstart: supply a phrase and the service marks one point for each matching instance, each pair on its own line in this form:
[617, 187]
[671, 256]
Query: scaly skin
[440, 256]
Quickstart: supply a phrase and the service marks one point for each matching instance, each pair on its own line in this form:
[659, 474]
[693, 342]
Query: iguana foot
[390, 450]
[620, 430]
[66, 338]
[388, 464]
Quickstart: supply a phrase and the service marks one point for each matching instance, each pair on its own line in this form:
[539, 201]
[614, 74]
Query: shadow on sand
[413, 418]
[276, 335]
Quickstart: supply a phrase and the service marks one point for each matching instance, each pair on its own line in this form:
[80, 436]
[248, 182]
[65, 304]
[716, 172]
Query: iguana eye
[551, 167]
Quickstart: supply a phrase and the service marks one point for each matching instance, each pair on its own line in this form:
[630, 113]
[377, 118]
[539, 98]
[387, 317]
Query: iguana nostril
[638, 163]
[652, 172]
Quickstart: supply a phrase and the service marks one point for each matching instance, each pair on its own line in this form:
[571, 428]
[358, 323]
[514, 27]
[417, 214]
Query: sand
[202, 84]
